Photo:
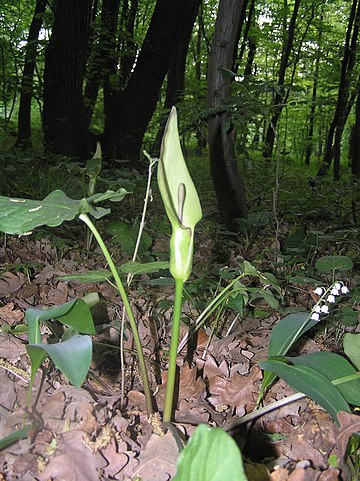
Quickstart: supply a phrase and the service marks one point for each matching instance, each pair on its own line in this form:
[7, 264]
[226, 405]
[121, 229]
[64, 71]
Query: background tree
[333, 143]
[26, 90]
[229, 186]
[64, 122]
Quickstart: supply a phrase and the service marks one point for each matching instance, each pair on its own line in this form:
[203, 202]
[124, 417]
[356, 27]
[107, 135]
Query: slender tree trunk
[332, 149]
[310, 132]
[24, 116]
[355, 141]
[229, 186]
[279, 96]
[135, 105]
[64, 123]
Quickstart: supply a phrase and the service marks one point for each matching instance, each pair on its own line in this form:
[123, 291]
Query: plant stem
[128, 310]
[175, 330]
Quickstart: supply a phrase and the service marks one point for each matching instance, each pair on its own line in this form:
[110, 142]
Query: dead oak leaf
[10, 282]
[238, 392]
[73, 460]
[11, 315]
[349, 424]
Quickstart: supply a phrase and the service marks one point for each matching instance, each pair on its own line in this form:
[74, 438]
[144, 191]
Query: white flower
[317, 308]
[337, 286]
[315, 316]
[335, 292]
[344, 290]
[331, 299]
[319, 291]
[324, 309]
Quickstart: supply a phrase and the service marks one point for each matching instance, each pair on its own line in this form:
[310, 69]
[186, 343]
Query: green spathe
[180, 199]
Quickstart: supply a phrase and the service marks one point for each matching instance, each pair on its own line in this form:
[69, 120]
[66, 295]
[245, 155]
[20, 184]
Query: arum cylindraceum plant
[183, 209]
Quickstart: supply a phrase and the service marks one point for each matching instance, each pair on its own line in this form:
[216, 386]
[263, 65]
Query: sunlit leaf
[312, 383]
[72, 357]
[352, 348]
[210, 455]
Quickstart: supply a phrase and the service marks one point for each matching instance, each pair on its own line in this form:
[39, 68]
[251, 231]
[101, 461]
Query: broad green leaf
[312, 383]
[248, 269]
[14, 437]
[334, 263]
[112, 195]
[285, 333]
[139, 268]
[127, 235]
[97, 276]
[347, 316]
[333, 367]
[75, 314]
[305, 280]
[21, 216]
[72, 357]
[352, 348]
[210, 455]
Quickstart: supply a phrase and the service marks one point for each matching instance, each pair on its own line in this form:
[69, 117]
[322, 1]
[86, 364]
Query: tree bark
[333, 147]
[279, 95]
[228, 184]
[64, 123]
[134, 106]
[24, 116]
[355, 140]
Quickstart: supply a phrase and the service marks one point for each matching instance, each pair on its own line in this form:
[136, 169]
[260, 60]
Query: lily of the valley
[180, 199]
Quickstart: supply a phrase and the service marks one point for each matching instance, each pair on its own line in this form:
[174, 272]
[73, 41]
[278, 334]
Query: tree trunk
[338, 122]
[64, 122]
[278, 100]
[24, 116]
[355, 141]
[134, 106]
[229, 186]
[310, 132]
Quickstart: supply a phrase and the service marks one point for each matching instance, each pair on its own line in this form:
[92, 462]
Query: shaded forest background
[255, 83]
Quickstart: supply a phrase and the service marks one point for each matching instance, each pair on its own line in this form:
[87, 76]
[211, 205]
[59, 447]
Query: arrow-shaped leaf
[72, 357]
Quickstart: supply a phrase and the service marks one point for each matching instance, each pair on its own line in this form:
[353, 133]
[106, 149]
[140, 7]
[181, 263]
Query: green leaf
[312, 383]
[72, 357]
[210, 455]
[112, 195]
[21, 216]
[352, 348]
[285, 333]
[347, 316]
[75, 314]
[248, 269]
[334, 263]
[96, 276]
[139, 268]
[333, 367]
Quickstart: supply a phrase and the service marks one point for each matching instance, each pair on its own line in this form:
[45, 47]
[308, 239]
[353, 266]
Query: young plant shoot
[183, 209]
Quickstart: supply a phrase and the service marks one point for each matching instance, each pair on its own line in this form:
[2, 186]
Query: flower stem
[128, 310]
[175, 330]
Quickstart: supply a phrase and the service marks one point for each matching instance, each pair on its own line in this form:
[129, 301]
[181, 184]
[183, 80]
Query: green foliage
[210, 455]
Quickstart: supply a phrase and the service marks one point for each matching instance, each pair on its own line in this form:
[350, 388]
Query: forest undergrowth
[102, 429]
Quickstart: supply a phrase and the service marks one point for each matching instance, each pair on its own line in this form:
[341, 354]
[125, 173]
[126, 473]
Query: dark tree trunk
[279, 96]
[355, 141]
[64, 122]
[332, 149]
[24, 116]
[310, 132]
[175, 87]
[229, 186]
[134, 106]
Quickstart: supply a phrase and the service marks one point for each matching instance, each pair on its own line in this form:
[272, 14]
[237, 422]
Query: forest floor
[80, 434]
